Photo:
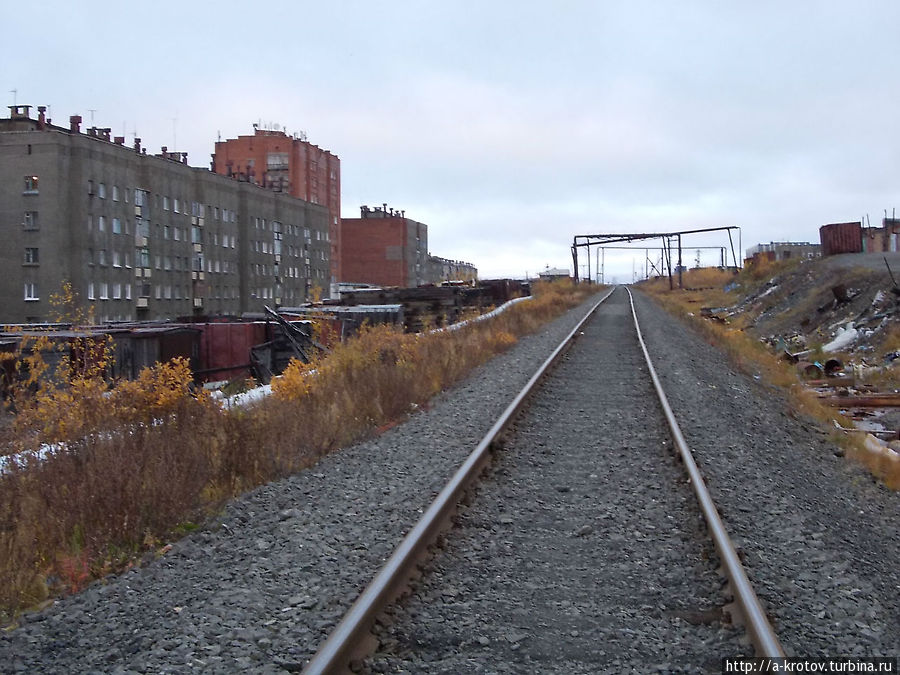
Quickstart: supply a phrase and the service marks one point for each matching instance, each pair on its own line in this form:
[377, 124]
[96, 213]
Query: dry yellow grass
[140, 462]
[704, 288]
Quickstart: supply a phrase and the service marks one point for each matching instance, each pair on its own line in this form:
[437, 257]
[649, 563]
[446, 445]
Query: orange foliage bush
[134, 460]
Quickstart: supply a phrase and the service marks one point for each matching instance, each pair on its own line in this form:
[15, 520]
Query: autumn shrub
[752, 356]
[110, 470]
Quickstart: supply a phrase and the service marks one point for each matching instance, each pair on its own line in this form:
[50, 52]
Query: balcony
[198, 302]
[198, 276]
[142, 303]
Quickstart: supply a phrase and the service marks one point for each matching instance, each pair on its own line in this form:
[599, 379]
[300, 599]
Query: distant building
[553, 273]
[882, 239]
[143, 236]
[288, 163]
[385, 248]
[784, 250]
[442, 270]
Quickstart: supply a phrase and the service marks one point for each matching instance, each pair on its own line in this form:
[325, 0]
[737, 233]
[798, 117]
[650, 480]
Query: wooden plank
[887, 400]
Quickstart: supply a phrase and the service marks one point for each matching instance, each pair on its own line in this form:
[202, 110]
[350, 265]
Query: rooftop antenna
[174, 137]
[92, 111]
[14, 92]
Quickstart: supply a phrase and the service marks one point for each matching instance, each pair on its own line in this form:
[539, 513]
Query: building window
[175, 205]
[90, 291]
[116, 259]
[165, 203]
[31, 185]
[116, 226]
[30, 220]
[140, 197]
[101, 256]
[101, 190]
[31, 256]
[115, 194]
[101, 223]
[103, 291]
[31, 292]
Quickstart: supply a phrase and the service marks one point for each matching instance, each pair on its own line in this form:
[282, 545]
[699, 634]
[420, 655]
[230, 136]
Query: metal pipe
[336, 652]
[764, 640]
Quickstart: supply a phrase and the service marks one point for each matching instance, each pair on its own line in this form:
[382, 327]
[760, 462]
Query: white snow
[843, 338]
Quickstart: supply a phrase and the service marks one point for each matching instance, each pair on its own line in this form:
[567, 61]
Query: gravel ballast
[583, 550]
[259, 589]
[820, 536]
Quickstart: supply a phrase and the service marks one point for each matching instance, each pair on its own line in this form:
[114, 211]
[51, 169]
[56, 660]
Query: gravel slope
[821, 538]
[583, 552]
[258, 590]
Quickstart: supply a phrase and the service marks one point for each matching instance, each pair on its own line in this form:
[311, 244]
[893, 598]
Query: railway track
[583, 549]
[590, 467]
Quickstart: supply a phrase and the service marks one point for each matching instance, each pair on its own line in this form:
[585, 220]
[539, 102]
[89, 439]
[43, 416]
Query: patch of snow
[482, 317]
[248, 397]
[844, 337]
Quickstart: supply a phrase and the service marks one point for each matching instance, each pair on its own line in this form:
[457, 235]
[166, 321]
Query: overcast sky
[509, 127]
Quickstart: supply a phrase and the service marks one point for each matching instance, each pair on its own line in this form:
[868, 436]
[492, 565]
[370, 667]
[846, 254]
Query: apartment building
[144, 236]
[442, 270]
[288, 163]
[385, 248]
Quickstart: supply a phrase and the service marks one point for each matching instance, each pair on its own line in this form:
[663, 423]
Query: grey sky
[509, 127]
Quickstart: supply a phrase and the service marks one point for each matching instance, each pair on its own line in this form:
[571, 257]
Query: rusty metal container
[841, 238]
[225, 348]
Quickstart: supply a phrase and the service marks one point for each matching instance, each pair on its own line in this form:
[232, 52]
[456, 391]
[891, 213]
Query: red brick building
[288, 163]
[385, 248]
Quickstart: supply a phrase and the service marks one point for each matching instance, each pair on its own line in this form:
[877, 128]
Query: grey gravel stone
[310, 527]
[770, 492]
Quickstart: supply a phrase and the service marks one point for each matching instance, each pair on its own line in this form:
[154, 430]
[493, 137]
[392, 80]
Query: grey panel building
[144, 236]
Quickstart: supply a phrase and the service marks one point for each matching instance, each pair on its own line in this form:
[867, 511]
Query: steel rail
[338, 649]
[759, 630]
